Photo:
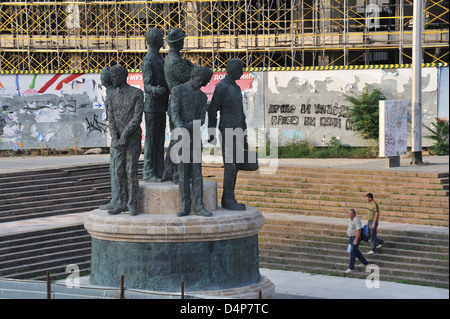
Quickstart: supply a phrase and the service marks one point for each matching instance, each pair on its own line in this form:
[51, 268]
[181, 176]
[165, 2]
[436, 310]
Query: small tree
[439, 134]
[364, 112]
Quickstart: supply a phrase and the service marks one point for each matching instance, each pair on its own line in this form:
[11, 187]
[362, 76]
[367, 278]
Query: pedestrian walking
[354, 238]
[373, 217]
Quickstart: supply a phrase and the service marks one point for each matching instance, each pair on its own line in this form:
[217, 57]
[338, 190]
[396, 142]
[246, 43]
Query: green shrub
[440, 135]
[364, 112]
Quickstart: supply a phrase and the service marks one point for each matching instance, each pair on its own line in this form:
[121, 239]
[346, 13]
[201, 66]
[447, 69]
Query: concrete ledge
[222, 225]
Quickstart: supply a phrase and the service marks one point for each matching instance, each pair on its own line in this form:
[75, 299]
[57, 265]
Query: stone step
[38, 242]
[338, 225]
[81, 209]
[340, 265]
[29, 174]
[336, 192]
[37, 270]
[328, 248]
[49, 204]
[19, 237]
[348, 178]
[274, 236]
[398, 204]
[353, 188]
[51, 259]
[32, 254]
[395, 265]
[30, 178]
[49, 192]
[343, 214]
[34, 200]
[55, 206]
[433, 259]
[86, 169]
[39, 182]
[341, 211]
[28, 255]
[48, 187]
[313, 204]
[358, 273]
[331, 234]
[393, 173]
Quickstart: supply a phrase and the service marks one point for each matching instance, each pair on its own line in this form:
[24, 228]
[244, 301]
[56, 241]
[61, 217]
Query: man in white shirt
[354, 235]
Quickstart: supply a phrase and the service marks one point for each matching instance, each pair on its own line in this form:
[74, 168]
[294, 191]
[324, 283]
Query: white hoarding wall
[308, 105]
[67, 110]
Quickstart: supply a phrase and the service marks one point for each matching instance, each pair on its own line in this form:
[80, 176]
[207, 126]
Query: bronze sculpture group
[173, 87]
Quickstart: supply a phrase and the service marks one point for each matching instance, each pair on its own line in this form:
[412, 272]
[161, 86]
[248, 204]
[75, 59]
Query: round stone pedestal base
[215, 255]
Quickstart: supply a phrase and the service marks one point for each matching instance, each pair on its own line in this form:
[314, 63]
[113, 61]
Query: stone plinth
[215, 255]
[165, 198]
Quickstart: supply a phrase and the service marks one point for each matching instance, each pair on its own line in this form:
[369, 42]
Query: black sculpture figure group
[181, 80]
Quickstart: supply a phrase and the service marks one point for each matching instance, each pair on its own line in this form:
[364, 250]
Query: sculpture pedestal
[215, 255]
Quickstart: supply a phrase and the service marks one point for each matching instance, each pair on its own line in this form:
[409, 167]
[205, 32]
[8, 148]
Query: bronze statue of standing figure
[125, 105]
[155, 107]
[227, 99]
[177, 71]
[188, 104]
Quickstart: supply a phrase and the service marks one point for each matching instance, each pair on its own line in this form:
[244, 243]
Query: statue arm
[175, 107]
[147, 74]
[112, 126]
[203, 110]
[214, 107]
[136, 120]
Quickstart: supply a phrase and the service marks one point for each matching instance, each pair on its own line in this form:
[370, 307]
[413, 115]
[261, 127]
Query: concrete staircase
[403, 197]
[414, 255]
[36, 194]
[305, 208]
[30, 255]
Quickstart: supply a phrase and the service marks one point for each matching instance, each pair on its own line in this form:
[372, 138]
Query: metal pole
[416, 102]
[121, 287]
[48, 285]
[182, 290]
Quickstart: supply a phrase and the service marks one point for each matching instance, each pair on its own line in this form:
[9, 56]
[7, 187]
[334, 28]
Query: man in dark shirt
[227, 99]
[188, 104]
[155, 107]
[125, 105]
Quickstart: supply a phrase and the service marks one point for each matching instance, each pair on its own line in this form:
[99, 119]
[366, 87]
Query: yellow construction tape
[305, 68]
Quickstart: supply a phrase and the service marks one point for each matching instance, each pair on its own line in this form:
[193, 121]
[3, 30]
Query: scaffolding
[51, 35]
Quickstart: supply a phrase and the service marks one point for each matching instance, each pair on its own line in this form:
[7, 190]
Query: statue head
[175, 38]
[119, 75]
[200, 76]
[235, 68]
[154, 38]
[105, 77]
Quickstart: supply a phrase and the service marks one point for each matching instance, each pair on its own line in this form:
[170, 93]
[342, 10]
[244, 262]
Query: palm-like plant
[439, 134]
[364, 112]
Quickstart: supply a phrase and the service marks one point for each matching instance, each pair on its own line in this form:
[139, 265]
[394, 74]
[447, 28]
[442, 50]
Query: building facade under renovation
[58, 35]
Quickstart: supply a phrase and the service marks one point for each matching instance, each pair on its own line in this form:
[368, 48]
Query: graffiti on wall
[52, 110]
